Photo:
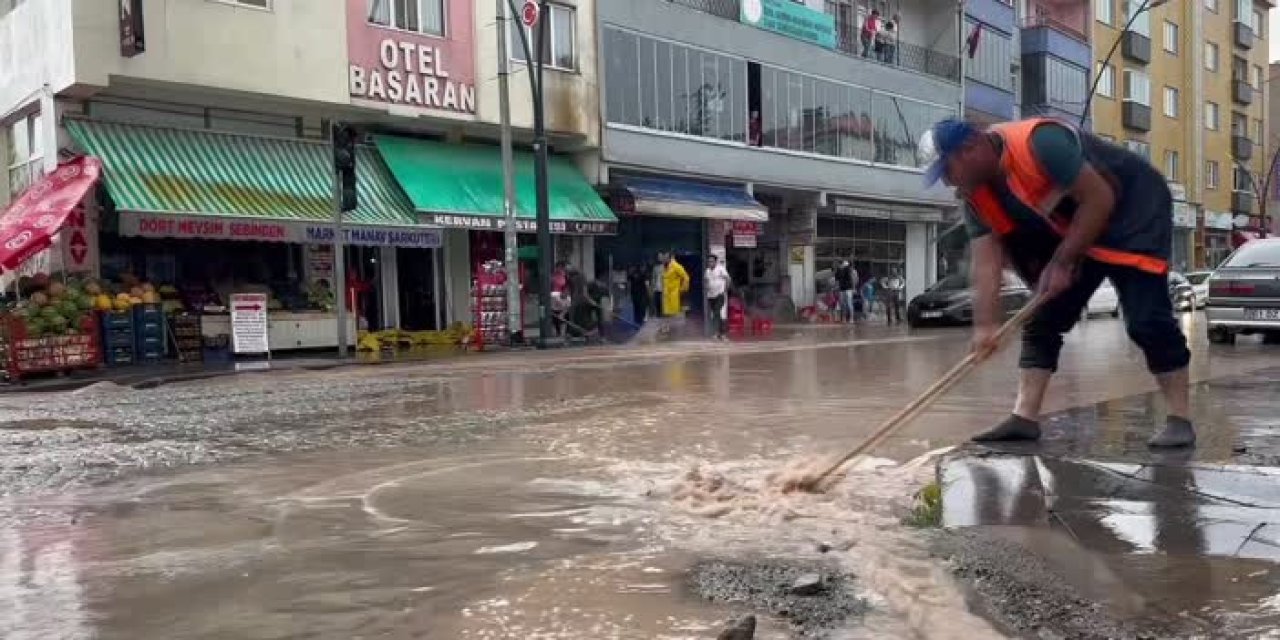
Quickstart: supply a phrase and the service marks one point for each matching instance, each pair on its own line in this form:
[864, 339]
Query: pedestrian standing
[717, 284]
[655, 285]
[675, 283]
[847, 282]
[887, 41]
[870, 27]
[638, 283]
[869, 295]
[892, 286]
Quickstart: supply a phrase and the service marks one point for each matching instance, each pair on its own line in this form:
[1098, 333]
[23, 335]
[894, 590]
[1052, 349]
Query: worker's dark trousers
[1144, 302]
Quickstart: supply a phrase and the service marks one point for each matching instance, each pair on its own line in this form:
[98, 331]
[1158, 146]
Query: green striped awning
[460, 185]
[153, 170]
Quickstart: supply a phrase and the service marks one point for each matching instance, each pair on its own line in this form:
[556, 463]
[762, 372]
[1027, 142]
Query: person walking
[892, 287]
[717, 284]
[847, 283]
[1067, 210]
[870, 27]
[675, 283]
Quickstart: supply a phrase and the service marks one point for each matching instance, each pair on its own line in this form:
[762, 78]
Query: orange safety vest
[1032, 185]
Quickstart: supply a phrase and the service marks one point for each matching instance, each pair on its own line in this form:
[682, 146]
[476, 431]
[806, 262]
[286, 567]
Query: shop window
[422, 16]
[559, 51]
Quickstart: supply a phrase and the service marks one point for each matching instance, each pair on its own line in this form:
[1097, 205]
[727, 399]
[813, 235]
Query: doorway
[418, 304]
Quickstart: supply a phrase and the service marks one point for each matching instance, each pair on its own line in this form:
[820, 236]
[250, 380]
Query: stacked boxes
[117, 338]
[148, 332]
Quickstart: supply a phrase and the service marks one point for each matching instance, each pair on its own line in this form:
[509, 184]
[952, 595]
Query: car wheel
[1219, 335]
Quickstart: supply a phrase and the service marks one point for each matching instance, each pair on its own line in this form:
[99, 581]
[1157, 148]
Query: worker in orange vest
[1065, 209]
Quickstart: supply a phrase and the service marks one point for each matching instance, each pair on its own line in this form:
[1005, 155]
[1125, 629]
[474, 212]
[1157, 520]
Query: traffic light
[344, 163]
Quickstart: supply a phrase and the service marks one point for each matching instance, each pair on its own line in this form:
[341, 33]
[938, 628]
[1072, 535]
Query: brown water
[554, 509]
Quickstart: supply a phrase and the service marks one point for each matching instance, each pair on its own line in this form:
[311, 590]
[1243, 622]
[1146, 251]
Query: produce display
[58, 309]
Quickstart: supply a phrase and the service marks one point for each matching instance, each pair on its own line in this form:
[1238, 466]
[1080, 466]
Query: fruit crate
[116, 319]
[185, 328]
[27, 354]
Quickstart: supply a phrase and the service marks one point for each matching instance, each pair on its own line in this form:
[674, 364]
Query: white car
[1104, 301]
[1200, 285]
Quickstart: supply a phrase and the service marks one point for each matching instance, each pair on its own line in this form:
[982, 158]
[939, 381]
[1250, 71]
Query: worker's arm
[986, 272]
[1061, 153]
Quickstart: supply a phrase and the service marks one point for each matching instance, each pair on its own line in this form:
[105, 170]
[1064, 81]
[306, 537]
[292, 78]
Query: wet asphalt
[440, 500]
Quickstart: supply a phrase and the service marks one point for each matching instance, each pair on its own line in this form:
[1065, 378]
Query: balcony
[1242, 34]
[1069, 23]
[1242, 92]
[724, 8]
[905, 56]
[1136, 116]
[1241, 148]
[1058, 29]
[1242, 203]
[1136, 47]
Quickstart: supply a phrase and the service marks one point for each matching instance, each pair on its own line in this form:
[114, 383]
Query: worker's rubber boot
[1177, 432]
[1015, 428]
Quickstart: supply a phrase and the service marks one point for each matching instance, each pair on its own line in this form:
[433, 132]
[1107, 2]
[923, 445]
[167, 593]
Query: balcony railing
[1040, 19]
[723, 8]
[904, 55]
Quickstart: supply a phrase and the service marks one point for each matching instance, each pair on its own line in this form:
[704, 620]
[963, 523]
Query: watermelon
[35, 327]
[70, 308]
[57, 324]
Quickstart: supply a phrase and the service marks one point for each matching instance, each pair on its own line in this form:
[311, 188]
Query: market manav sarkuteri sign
[161, 225]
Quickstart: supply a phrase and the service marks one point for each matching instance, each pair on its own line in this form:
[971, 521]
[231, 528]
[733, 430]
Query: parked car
[950, 301]
[1244, 294]
[1104, 301]
[1181, 293]
[1200, 286]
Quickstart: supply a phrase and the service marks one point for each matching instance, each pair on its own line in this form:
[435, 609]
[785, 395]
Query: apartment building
[782, 133]
[1183, 86]
[212, 117]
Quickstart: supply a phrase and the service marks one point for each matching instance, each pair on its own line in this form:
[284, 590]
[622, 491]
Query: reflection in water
[40, 592]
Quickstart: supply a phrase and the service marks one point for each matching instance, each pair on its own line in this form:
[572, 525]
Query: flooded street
[515, 496]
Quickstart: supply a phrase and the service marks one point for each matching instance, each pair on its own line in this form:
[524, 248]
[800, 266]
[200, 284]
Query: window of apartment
[1258, 23]
[1137, 87]
[1255, 77]
[1104, 11]
[422, 16]
[1241, 180]
[1239, 124]
[1211, 5]
[560, 50]
[1211, 56]
[1139, 147]
[1171, 165]
[1239, 69]
[1170, 37]
[663, 86]
[1211, 116]
[23, 157]
[1050, 80]
[1141, 24]
[1211, 174]
[1171, 102]
[1106, 80]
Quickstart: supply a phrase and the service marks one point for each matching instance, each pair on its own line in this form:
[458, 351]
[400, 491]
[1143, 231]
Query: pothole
[813, 598]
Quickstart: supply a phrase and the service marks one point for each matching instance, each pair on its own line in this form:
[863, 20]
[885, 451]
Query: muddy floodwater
[515, 496]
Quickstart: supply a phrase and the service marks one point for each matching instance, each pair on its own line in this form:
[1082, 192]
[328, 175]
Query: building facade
[1183, 87]
[780, 133]
[159, 88]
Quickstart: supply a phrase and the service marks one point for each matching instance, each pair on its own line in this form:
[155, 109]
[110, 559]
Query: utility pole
[343, 137]
[515, 330]
[540, 180]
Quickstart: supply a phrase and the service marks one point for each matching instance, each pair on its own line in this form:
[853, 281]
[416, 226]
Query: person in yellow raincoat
[675, 283]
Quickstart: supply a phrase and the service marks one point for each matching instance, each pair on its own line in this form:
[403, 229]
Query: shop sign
[388, 66]
[790, 19]
[210, 228]
[1184, 215]
[744, 241]
[524, 225]
[747, 228]
[1217, 220]
[132, 33]
[249, 323]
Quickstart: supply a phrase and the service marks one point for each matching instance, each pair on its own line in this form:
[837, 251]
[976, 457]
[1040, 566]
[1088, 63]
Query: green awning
[460, 185]
[172, 182]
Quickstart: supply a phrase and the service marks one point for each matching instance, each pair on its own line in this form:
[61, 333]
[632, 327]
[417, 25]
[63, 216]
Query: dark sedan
[950, 301]
[1244, 294]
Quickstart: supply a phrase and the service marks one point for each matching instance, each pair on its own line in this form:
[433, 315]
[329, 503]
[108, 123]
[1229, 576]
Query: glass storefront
[872, 246]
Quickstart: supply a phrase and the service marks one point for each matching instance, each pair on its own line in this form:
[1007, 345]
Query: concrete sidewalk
[1090, 535]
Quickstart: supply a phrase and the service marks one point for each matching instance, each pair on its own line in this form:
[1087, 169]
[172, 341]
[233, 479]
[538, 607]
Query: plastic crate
[117, 338]
[148, 313]
[116, 319]
[119, 356]
[27, 354]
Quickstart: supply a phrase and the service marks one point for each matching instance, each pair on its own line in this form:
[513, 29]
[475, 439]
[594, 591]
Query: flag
[972, 41]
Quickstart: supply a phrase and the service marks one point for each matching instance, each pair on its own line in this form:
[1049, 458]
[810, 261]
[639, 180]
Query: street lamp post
[1146, 6]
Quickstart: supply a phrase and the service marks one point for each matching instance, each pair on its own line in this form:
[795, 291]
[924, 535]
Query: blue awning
[687, 199]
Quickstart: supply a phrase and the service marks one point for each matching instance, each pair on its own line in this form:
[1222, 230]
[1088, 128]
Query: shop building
[761, 128]
[212, 120]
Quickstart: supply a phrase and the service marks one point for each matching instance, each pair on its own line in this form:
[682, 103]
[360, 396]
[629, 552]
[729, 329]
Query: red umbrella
[27, 227]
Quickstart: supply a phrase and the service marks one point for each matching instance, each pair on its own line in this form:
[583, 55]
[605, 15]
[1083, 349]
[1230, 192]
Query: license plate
[930, 314]
[1262, 314]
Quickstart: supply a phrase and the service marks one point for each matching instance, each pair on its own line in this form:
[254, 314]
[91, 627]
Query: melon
[57, 290]
[92, 288]
[39, 299]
